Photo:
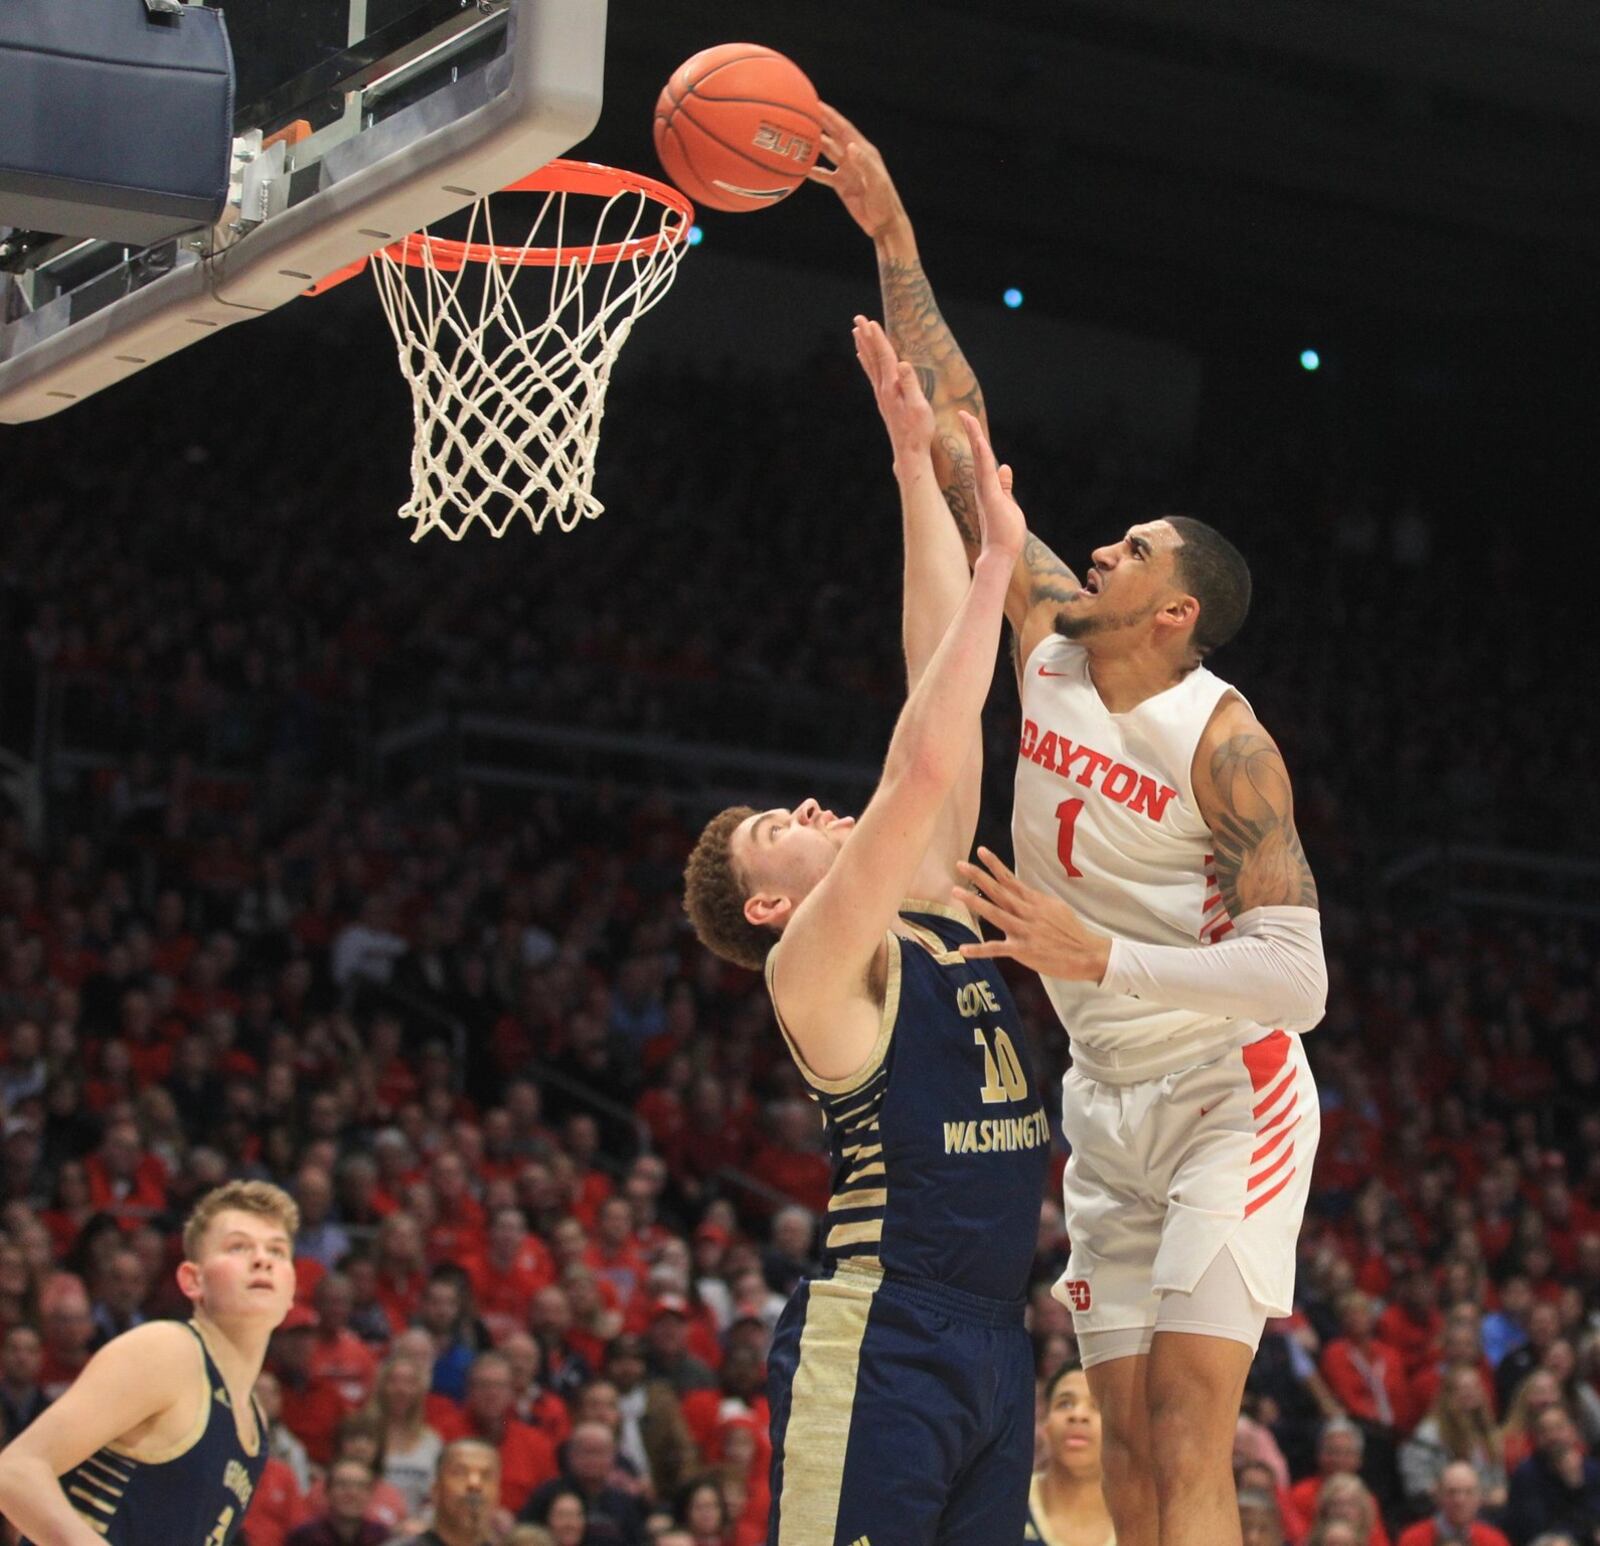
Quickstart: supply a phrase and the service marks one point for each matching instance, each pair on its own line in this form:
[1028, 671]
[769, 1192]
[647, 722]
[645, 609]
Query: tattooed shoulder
[1248, 803]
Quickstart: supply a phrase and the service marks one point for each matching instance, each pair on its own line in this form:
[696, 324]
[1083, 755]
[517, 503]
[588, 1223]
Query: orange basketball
[737, 127]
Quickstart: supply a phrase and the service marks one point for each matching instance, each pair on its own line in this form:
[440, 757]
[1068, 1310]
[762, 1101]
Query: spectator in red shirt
[1365, 1374]
[531, 1402]
[614, 1255]
[276, 1505]
[741, 1392]
[338, 1355]
[124, 1181]
[514, 1268]
[402, 1269]
[1457, 1522]
[527, 1457]
[458, 1235]
[173, 945]
[67, 1320]
[790, 1158]
[148, 1053]
[662, 1108]
[577, 1169]
[595, 1320]
[1412, 1324]
[709, 1140]
[312, 1408]
[646, 1181]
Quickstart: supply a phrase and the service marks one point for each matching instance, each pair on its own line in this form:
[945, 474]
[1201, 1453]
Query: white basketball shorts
[1165, 1175]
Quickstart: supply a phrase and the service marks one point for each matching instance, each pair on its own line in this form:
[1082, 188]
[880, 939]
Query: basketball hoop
[508, 392]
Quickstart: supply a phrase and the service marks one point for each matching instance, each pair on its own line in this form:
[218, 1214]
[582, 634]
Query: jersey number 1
[1067, 815]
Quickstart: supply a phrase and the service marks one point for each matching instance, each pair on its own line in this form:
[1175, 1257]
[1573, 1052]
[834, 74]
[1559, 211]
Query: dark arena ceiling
[1198, 168]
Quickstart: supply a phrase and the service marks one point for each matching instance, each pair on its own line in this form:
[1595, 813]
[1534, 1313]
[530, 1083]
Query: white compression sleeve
[1272, 971]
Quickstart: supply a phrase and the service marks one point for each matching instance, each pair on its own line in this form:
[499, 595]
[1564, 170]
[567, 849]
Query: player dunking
[901, 1377]
[159, 1441]
[1166, 902]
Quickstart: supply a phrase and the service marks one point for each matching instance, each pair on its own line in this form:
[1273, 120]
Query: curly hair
[714, 895]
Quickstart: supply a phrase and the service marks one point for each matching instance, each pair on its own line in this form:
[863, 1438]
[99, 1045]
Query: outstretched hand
[857, 175]
[1001, 523]
[906, 413]
[1037, 929]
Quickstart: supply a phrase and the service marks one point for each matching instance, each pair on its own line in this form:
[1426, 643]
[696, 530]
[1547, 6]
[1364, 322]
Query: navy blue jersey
[940, 1143]
[195, 1495]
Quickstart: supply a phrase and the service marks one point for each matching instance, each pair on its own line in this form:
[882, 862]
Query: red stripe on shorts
[1271, 1098]
[1265, 1059]
[1272, 1169]
[1270, 1193]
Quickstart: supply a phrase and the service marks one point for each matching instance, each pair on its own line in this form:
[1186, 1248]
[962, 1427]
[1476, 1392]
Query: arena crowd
[556, 1172]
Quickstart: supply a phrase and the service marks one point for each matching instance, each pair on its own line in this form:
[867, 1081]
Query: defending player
[1153, 817]
[159, 1442]
[901, 1378]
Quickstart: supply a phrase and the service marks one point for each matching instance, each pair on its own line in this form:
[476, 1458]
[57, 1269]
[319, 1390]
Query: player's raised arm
[132, 1380]
[831, 942]
[935, 563]
[935, 581]
[921, 337]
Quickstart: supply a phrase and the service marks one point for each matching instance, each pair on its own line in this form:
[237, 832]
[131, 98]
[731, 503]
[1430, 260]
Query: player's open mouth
[1091, 585]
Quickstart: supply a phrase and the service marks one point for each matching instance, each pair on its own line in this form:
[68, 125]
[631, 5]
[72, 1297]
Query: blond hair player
[1163, 896]
[159, 1441]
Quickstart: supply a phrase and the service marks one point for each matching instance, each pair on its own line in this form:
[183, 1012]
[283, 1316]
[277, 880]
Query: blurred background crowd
[356, 866]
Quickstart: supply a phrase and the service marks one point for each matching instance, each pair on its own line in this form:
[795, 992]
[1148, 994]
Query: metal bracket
[164, 7]
[259, 187]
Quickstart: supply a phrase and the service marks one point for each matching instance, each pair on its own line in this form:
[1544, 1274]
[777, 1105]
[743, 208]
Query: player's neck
[238, 1350]
[1078, 1498]
[1125, 681]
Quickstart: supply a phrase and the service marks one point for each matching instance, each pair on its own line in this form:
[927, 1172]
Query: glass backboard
[356, 121]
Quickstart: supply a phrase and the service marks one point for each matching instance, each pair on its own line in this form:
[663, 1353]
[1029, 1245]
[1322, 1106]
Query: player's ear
[767, 912]
[1180, 612]
[189, 1280]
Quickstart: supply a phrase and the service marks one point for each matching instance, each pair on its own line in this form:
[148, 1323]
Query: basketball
[737, 127]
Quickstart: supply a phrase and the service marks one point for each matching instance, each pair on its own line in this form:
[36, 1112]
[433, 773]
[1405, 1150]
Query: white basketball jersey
[1105, 818]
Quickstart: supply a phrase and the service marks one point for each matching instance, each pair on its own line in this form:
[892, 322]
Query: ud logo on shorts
[1078, 1292]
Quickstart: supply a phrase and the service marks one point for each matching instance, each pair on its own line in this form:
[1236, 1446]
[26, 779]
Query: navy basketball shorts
[902, 1415]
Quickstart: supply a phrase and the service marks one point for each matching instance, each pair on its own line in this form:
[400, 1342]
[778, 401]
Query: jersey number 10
[1003, 1078]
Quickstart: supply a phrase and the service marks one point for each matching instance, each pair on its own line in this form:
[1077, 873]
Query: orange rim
[441, 252]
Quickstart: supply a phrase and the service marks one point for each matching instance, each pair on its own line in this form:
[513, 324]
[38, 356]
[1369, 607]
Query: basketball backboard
[356, 122]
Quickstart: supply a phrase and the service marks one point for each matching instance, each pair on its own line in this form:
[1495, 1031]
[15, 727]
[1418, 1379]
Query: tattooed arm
[1242, 788]
[922, 338]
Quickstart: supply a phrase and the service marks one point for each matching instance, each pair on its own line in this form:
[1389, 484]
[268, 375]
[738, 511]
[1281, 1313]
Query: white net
[508, 351]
